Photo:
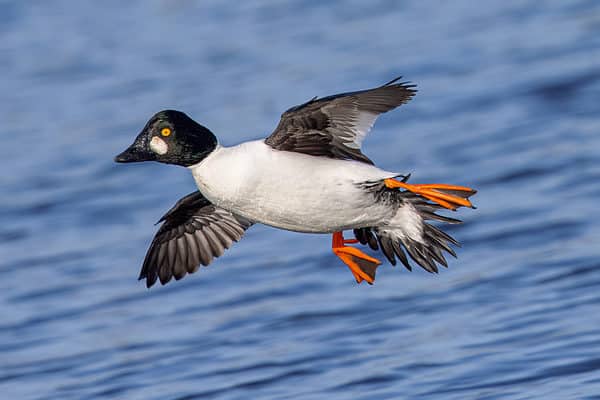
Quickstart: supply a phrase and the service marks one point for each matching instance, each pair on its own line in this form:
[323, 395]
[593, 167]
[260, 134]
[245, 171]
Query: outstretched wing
[335, 126]
[194, 232]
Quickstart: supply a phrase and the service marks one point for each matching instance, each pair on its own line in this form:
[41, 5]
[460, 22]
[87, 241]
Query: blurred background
[508, 102]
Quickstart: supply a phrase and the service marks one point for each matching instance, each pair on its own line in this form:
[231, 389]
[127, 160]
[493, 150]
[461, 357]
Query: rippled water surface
[508, 102]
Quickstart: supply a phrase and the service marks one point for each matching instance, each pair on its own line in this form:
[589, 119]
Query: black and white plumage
[335, 126]
[309, 175]
[193, 233]
[428, 252]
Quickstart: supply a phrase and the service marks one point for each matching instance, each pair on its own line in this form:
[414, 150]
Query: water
[508, 102]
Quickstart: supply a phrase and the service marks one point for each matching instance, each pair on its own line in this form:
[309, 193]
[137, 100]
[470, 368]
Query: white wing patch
[363, 124]
[351, 129]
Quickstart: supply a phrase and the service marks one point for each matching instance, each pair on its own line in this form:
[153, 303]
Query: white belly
[290, 190]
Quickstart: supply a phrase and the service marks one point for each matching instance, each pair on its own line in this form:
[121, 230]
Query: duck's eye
[165, 131]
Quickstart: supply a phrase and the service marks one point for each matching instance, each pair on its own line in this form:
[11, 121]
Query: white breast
[290, 190]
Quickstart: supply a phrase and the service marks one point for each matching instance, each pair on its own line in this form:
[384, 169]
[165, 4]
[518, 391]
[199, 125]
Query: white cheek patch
[159, 146]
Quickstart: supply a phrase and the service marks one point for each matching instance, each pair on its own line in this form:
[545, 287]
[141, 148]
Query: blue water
[508, 102]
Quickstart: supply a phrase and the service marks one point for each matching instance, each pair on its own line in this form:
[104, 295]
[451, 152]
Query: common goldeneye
[309, 176]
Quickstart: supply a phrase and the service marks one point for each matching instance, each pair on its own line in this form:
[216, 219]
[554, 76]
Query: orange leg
[361, 265]
[448, 196]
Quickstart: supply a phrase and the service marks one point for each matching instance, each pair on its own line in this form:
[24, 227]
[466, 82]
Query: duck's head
[170, 137]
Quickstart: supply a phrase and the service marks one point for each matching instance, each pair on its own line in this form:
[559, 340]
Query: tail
[408, 234]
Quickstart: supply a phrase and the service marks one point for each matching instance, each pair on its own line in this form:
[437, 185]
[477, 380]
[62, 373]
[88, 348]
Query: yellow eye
[165, 131]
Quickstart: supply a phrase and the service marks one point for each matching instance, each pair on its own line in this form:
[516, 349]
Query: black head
[170, 137]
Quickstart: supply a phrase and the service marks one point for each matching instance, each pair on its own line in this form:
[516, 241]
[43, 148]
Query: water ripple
[505, 104]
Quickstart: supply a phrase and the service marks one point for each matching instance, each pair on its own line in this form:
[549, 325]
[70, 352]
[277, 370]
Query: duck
[309, 175]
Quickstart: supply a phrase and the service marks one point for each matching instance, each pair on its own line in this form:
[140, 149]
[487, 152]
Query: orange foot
[448, 196]
[361, 265]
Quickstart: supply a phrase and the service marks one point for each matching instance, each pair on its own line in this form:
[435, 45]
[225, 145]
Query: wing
[335, 126]
[194, 232]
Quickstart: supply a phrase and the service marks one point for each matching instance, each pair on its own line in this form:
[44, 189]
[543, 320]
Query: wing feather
[335, 126]
[193, 232]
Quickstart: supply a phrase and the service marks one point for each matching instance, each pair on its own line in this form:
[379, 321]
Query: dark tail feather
[427, 254]
[427, 249]
[365, 236]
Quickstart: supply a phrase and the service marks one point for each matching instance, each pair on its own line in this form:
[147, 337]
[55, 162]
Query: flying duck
[309, 175]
